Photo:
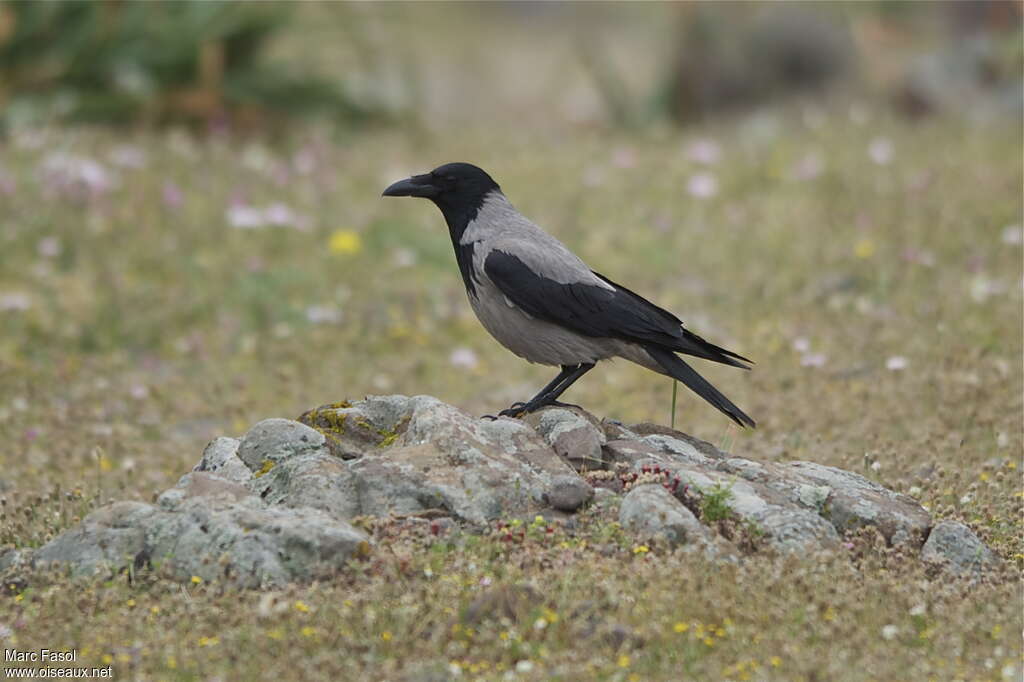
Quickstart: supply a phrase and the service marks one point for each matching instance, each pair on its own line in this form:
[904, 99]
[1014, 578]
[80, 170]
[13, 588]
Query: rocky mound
[283, 503]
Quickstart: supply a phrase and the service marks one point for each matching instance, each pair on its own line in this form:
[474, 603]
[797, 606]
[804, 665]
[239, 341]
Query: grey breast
[499, 226]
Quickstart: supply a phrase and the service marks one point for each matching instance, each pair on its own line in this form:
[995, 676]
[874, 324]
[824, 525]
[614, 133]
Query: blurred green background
[192, 236]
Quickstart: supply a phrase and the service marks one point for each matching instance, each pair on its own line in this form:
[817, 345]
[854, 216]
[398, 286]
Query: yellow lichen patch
[265, 468]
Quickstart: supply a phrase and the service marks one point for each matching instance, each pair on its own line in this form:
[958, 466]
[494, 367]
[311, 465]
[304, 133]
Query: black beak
[416, 186]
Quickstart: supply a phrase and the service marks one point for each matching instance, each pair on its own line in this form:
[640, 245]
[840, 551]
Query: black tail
[681, 371]
[691, 344]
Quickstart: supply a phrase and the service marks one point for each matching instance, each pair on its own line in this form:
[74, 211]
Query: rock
[352, 430]
[652, 512]
[213, 488]
[701, 446]
[105, 541]
[574, 435]
[568, 493]
[955, 548]
[221, 457]
[11, 559]
[478, 469]
[629, 452]
[680, 449]
[769, 514]
[274, 507]
[251, 547]
[854, 501]
[320, 481]
[275, 440]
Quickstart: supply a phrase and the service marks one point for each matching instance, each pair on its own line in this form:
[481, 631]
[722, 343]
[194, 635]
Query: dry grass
[138, 324]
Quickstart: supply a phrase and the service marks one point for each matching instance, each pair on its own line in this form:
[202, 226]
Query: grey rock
[12, 558]
[211, 487]
[351, 430]
[568, 493]
[319, 481]
[106, 540]
[604, 496]
[782, 524]
[702, 446]
[572, 434]
[628, 452]
[251, 547]
[616, 430]
[854, 502]
[651, 512]
[274, 507]
[221, 457]
[443, 458]
[677, 448]
[955, 548]
[275, 440]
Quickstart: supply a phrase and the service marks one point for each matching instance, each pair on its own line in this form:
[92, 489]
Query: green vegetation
[714, 503]
[156, 62]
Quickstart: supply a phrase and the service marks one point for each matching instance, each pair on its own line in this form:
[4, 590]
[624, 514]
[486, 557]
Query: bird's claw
[514, 411]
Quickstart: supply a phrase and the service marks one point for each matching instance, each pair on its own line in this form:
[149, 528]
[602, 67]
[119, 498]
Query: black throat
[459, 214]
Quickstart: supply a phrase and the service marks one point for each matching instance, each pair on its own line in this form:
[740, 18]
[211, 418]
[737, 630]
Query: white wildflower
[463, 358]
[814, 360]
[323, 314]
[896, 363]
[704, 151]
[1013, 235]
[702, 185]
[881, 150]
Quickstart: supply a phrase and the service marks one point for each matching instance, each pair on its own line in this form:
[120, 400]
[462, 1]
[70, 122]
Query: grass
[714, 504]
[138, 324]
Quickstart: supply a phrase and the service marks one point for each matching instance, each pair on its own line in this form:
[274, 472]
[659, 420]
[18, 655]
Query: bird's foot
[514, 410]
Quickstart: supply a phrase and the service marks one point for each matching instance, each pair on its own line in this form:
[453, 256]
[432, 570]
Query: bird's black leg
[549, 394]
[517, 408]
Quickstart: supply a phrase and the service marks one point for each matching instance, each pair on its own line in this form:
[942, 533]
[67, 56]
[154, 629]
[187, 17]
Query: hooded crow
[543, 303]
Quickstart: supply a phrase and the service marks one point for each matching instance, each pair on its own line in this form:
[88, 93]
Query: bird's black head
[458, 189]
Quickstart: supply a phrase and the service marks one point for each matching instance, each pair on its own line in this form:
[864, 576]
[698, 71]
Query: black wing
[596, 311]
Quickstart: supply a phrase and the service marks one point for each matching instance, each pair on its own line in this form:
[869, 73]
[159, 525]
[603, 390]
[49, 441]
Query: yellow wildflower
[301, 607]
[864, 249]
[775, 661]
[307, 631]
[681, 627]
[344, 242]
[641, 549]
[623, 661]
[196, 580]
